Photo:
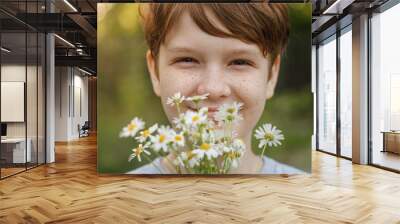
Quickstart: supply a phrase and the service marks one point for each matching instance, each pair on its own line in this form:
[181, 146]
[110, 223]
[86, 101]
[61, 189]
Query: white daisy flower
[222, 135]
[175, 99]
[219, 134]
[197, 99]
[269, 136]
[180, 122]
[206, 149]
[235, 152]
[223, 148]
[207, 136]
[144, 135]
[193, 119]
[132, 128]
[192, 159]
[238, 146]
[187, 157]
[234, 161]
[161, 140]
[138, 151]
[203, 111]
[229, 113]
[178, 139]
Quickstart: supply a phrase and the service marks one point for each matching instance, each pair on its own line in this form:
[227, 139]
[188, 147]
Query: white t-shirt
[270, 166]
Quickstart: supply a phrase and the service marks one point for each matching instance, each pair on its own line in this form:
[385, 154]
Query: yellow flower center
[196, 99]
[229, 117]
[233, 155]
[205, 146]
[146, 133]
[195, 118]
[139, 150]
[231, 110]
[178, 138]
[131, 127]
[190, 155]
[161, 138]
[269, 137]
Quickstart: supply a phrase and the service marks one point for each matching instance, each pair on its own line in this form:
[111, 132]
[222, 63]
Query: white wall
[16, 73]
[71, 93]
[33, 126]
[62, 81]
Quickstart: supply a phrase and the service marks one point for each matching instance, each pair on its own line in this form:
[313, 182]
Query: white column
[50, 100]
[360, 90]
[50, 92]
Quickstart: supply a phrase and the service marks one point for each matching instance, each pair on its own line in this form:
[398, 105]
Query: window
[385, 88]
[327, 95]
[346, 92]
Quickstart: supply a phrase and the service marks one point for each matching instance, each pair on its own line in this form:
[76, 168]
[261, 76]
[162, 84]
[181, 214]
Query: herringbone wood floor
[70, 191]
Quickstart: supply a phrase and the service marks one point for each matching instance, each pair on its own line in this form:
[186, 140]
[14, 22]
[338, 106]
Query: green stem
[225, 168]
[178, 109]
[262, 153]
[230, 127]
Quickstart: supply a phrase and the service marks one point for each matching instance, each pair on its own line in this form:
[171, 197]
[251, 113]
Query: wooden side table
[391, 141]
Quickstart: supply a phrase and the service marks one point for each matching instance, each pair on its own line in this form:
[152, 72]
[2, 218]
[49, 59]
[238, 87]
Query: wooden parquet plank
[70, 191]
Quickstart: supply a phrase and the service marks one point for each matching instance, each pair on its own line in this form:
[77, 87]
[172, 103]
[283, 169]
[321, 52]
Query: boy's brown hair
[266, 25]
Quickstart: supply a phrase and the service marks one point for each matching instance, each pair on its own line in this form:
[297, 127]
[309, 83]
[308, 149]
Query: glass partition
[346, 93]
[14, 153]
[327, 95]
[385, 89]
[22, 88]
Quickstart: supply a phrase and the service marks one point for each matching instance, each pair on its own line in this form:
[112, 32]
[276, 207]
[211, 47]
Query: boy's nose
[215, 83]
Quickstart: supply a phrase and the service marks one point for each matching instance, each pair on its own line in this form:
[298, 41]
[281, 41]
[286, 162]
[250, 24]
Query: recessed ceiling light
[70, 5]
[84, 71]
[337, 7]
[5, 50]
[64, 40]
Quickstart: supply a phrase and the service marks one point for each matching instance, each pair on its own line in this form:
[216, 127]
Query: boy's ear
[273, 77]
[151, 66]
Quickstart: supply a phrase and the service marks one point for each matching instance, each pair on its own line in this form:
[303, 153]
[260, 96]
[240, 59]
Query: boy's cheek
[170, 87]
[252, 90]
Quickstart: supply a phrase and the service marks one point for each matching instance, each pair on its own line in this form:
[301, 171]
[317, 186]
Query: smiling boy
[230, 51]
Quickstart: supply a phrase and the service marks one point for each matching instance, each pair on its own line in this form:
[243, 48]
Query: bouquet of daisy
[198, 144]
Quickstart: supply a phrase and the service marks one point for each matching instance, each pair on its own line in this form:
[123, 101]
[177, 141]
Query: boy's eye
[185, 60]
[240, 62]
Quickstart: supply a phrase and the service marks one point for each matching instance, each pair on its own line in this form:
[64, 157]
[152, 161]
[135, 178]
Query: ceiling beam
[86, 26]
[81, 61]
[337, 7]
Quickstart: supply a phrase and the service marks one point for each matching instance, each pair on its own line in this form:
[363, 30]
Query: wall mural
[204, 88]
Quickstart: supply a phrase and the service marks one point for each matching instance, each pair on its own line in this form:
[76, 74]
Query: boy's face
[193, 62]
